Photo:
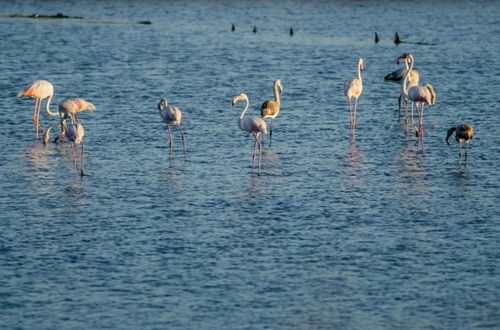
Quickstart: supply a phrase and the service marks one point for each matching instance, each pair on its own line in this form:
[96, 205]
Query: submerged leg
[271, 133]
[253, 155]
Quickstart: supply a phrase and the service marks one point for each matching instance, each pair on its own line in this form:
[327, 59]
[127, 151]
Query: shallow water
[335, 233]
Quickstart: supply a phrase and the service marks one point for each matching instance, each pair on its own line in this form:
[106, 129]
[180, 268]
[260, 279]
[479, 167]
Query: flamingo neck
[359, 74]
[276, 94]
[407, 74]
[240, 121]
[47, 107]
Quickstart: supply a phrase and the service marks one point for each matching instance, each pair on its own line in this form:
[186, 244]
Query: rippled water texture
[337, 233]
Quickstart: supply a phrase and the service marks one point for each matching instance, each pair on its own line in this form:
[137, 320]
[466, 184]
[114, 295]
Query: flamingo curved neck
[47, 107]
[407, 75]
[276, 94]
[359, 74]
[240, 120]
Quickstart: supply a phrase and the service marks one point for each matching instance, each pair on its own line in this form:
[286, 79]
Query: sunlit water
[336, 233]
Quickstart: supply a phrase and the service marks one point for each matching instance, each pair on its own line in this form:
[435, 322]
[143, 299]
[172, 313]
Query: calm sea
[336, 233]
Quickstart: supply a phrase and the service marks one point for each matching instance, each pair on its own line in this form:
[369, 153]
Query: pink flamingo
[39, 90]
[172, 115]
[254, 125]
[419, 95]
[68, 109]
[353, 89]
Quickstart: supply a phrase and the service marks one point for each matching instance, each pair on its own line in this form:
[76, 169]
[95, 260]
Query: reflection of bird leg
[183, 141]
[355, 110]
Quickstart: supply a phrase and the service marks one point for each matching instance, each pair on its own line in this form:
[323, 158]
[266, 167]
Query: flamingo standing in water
[39, 90]
[254, 125]
[463, 133]
[353, 89]
[419, 95]
[398, 77]
[68, 109]
[172, 116]
[74, 132]
[271, 108]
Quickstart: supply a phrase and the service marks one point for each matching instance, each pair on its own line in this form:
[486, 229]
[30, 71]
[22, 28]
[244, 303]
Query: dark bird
[463, 133]
[397, 40]
[233, 27]
[376, 38]
[254, 29]
[291, 31]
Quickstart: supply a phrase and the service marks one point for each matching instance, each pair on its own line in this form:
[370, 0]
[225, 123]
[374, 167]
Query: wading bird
[353, 89]
[419, 95]
[74, 132]
[463, 133]
[254, 125]
[398, 77]
[271, 108]
[172, 115]
[68, 109]
[39, 90]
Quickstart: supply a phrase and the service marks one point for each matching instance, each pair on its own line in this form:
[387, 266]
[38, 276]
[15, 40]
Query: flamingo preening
[39, 90]
[463, 133]
[271, 108]
[419, 95]
[353, 89]
[172, 115]
[254, 125]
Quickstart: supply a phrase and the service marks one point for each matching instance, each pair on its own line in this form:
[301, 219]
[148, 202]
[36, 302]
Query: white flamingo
[271, 108]
[353, 89]
[68, 109]
[419, 95]
[172, 115]
[254, 125]
[463, 133]
[39, 90]
[398, 77]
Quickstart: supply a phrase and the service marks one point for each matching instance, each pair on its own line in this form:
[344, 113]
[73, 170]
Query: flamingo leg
[421, 119]
[355, 110]
[466, 151]
[73, 156]
[169, 140]
[35, 116]
[253, 155]
[412, 120]
[183, 142]
[260, 150]
[406, 111]
[459, 153]
[271, 133]
[82, 157]
[350, 111]
[399, 105]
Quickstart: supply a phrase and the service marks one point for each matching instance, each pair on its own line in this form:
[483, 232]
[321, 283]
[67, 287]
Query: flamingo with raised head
[254, 125]
[463, 133]
[352, 90]
[419, 95]
[39, 90]
[271, 108]
[398, 77]
[172, 115]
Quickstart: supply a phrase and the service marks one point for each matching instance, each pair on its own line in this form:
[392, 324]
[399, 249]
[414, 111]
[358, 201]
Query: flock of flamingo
[411, 92]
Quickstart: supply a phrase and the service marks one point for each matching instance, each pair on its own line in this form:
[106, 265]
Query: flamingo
[74, 132]
[254, 125]
[172, 115]
[398, 77]
[271, 108]
[353, 89]
[69, 108]
[417, 94]
[39, 90]
[463, 133]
